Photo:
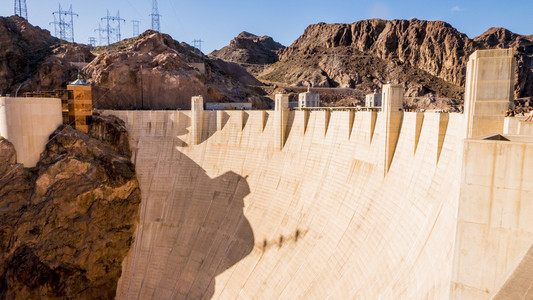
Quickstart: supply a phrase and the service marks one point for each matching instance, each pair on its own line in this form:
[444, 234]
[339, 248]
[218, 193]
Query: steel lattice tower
[64, 29]
[92, 41]
[100, 31]
[156, 24]
[135, 27]
[110, 30]
[197, 44]
[21, 9]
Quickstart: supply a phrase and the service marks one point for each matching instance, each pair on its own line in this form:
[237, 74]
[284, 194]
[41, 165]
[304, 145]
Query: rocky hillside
[67, 224]
[427, 56]
[32, 60]
[250, 50]
[157, 72]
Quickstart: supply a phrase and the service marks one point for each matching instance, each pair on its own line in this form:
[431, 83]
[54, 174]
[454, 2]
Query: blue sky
[216, 22]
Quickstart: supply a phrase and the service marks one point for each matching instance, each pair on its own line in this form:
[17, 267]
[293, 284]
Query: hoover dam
[317, 204]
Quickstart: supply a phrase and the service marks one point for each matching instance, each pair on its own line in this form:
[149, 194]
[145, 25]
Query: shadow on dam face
[195, 234]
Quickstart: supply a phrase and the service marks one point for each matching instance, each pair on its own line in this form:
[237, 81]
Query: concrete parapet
[525, 128]
[489, 90]
[27, 123]
[510, 125]
[197, 116]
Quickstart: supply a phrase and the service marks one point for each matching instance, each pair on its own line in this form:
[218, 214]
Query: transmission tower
[64, 24]
[101, 32]
[92, 41]
[21, 9]
[113, 27]
[135, 27]
[156, 24]
[197, 44]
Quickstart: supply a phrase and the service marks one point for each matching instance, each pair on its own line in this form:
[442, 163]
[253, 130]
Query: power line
[63, 27]
[21, 9]
[156, 22]
[113, 27]
[135, 27]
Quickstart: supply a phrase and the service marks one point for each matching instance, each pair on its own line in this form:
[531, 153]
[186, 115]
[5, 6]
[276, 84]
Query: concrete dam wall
[332, 204]
[234, 217]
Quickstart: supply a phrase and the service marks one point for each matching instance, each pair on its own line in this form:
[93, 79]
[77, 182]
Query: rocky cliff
[156, 72]
[67, 224]
[426, 56]
[248, 50]
[32, 60]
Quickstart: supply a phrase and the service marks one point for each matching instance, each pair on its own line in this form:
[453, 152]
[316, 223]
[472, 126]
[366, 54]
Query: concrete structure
[281, 115]
[199, 66]
[393, 114]
[197, 118]
[320, 204]
[308, 99]
[373, 100]
[494, 226]
[80, 105]
[27, 123]
[230, 106]
[489, 90]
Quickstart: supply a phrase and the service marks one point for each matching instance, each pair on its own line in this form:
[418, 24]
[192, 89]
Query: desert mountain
[426, 56]
[162, 73]
[32, 60]
[248, 49]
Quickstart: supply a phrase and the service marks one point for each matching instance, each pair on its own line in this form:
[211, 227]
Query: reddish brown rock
[67, 224]
[428, 57]
[249, 48]
[32, 60]
[171, 74]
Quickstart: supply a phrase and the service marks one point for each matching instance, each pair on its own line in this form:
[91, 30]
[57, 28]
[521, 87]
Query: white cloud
[457, 8]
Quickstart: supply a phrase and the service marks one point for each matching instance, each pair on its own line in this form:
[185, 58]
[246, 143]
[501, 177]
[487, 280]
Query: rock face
[249, 48]
[67, 224]
[345, 67]
[435, 47]
[32, 60]
[426, 56]
[153, 71]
